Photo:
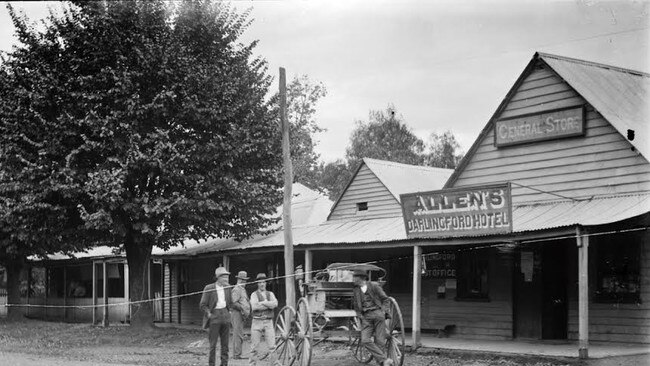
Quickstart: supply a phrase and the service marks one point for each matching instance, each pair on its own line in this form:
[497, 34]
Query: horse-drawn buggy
[326, 310]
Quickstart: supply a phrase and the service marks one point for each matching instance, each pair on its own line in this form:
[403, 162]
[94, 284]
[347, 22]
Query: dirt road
[44, 343]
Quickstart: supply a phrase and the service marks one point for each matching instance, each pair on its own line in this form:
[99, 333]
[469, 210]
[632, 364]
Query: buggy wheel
[303, 335]
[395, 341]
[284, 347]
[360, 352]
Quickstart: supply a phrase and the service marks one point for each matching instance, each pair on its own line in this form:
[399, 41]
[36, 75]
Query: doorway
[540, 292]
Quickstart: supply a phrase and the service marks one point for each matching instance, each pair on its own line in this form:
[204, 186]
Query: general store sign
[549, 125]
[458, 212]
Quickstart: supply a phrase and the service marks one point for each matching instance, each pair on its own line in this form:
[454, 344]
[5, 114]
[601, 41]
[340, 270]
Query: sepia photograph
[325, 183]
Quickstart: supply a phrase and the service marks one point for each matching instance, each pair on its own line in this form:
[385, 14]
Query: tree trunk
[138, 253]
[14, 266]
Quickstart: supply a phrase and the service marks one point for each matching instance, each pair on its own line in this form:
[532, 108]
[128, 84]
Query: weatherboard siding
[473, 319]
[601, 162]
[613, 322]
[366, 187]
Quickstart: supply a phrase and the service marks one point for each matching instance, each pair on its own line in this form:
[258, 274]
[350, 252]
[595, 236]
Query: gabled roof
[620, 95]
[403, 178]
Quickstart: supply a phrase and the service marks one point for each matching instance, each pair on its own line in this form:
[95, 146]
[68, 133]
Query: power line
[509, 245]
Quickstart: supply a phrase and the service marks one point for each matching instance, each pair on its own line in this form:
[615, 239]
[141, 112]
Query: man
[262, 302]
[241, 311]
[215, 305]
[371, 304]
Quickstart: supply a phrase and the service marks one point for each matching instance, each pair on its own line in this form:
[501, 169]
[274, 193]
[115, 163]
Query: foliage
[302, 97]
[443, 151]
[153, 122]
[334, 177]
[386, 137]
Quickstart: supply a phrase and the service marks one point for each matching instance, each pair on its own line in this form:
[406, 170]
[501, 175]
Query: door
[554, 295]
[527, 294]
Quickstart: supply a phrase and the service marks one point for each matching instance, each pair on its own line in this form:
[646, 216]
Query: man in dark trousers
[215, 305]
[371, 305]
[241, 311]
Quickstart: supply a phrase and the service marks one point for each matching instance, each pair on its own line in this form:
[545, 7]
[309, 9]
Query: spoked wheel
[360, 352]
[303, 335]
[294, 335]
[395, 341]
[284, 334]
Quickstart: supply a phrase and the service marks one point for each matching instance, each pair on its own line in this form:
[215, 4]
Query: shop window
[55, 282]
[618, 269]
[472, 275]
[115, 280]
[3, 281]
[80, 281]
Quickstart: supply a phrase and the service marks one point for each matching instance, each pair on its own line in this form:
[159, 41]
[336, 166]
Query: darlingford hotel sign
[456, 212]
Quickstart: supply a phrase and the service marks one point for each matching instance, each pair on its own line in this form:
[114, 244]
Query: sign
[549, 125]
[440, 265]
[458, 212]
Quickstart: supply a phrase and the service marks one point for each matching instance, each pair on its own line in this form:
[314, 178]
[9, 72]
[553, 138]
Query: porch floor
[547, 348]
[568, 349]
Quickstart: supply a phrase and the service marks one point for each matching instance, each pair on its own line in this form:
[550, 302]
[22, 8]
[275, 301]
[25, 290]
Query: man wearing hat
[262, 302]
[241, 311]
[371, 304]
[215, 304]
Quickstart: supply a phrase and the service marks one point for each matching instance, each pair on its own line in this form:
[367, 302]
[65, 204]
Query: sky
[443, 65]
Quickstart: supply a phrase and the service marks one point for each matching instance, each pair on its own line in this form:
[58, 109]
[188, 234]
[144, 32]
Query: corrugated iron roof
[526, 218]
[404, 178]
[596, 211]
[620, 95]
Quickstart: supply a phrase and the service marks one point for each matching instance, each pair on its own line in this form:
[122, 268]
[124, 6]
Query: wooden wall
[612, 322]
[601, 162]
[473, 319]
[366, 187]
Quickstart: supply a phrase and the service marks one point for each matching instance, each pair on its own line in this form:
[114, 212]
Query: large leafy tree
[385, 136]
[302, 96]
[166, 132]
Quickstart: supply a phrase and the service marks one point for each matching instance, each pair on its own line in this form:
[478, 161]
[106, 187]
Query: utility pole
[288, 182]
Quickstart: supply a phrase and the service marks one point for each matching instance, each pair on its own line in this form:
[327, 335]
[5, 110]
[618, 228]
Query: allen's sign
[458, 212]
[549, 125]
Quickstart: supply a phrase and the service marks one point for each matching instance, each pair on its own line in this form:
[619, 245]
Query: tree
[334, 177]
[385, 136]
[443, 151]
[167, 133]
[302, 97]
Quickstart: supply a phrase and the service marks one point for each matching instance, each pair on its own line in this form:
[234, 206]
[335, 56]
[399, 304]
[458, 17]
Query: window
[362, 206]
[115, 280]
[618, 269]
[473, 275]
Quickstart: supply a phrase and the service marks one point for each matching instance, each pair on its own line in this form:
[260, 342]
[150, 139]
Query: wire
[547, 192]
[392, 259]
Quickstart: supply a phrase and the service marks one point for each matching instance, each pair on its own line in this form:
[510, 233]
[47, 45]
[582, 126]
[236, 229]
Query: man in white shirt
[262, 303]
[215, 305]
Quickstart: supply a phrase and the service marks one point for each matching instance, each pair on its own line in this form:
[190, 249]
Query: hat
[221, 271]
[359, 273]
[261, 276]
[242, 275]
